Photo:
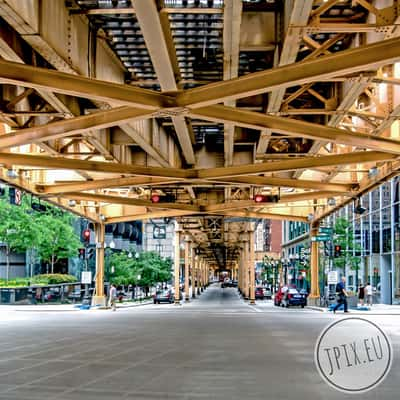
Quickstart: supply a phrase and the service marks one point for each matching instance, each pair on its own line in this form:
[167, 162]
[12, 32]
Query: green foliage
[344, 236]
[57, 238]
[16, 228]
[51, 233]
[149, 266]
[16, 282]
[52, 279]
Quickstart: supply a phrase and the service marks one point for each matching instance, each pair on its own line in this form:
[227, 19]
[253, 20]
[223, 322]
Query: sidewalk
[65, 307]
[376, 309]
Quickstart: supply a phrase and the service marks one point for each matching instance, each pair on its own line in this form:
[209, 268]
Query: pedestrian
[368, 292]
[341, 291]
[113, 297]
[361, 294]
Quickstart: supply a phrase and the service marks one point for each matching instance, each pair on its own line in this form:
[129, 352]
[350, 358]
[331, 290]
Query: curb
[354, 312]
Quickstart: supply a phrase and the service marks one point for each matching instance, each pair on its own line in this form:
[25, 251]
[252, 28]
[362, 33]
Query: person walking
[341, 290]
[113, 297]
[368, 292]
[361, 294]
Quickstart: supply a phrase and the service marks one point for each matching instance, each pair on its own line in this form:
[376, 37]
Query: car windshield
[293, 291]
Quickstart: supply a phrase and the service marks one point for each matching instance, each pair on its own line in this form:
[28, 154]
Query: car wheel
[302, 306]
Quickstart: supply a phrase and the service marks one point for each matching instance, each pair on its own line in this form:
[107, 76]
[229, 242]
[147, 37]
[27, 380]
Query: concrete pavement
[215, 347]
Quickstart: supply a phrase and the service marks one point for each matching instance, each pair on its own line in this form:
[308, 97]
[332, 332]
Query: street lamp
[284, 262]
[293, 261]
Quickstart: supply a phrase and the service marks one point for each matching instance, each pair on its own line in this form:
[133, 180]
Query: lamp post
[293, 262]
[285, 262]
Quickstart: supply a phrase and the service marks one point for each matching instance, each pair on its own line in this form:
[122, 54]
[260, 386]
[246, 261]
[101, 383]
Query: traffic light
[338, 250]
[86, 235]
[90, 252]
[266, 198]
[15, 196]
[81, 253]
[166, 198]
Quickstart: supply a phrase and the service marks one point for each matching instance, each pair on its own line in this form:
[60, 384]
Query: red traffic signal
[86, 235]
[155, 198]
[165, 198]
[266, 198]
[338, 250]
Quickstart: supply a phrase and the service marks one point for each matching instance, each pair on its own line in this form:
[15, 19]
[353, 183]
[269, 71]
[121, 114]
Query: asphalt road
[216, 347]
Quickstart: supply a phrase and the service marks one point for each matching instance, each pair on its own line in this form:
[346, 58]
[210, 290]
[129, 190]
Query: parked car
[163, 296]
[267, 293]
[291, 298]
[259, 293]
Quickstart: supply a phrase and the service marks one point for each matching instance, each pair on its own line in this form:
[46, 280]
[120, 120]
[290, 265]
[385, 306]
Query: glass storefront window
[386, 230]
[375, 232]
[374, 200]
[386, 194]
[375, 278]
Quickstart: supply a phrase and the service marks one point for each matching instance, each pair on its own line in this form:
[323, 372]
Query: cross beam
[294, 127]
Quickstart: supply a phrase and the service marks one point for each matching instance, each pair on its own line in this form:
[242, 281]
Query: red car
[292, 297]
[259, 293]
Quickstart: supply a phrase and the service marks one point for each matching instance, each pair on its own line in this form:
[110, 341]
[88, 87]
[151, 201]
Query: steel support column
[177, 268]
[314, 265]
[193, 272]
[251, 269]
[246, 269]
[187, 250]
[99, 298]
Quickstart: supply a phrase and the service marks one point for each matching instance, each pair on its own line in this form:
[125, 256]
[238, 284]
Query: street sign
[327, 230]
[332, 278]
[86, 277]
[320, 238]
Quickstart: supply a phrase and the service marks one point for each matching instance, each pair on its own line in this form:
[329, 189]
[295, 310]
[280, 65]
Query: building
[375, 222]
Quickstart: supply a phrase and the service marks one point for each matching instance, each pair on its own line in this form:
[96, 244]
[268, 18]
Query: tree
[57, 238]
[126, 270]
[17, 231]
[149, 266]
[344, 237]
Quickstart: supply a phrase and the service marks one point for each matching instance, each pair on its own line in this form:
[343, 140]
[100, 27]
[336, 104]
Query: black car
[163, 296]
[294, 298]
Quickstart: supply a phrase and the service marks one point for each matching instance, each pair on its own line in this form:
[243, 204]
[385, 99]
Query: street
[215, 347]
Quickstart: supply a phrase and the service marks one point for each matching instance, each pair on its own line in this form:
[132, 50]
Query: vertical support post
[240, 280]
[314, 264]
[99, 299]
[177, 268]
[252, 276]
[187, 250]
[193, 274]
[198, 274]
[201, 275]
[246, 269]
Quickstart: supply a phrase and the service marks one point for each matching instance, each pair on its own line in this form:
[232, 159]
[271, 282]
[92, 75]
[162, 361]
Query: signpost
[320, 238]
[332, 277]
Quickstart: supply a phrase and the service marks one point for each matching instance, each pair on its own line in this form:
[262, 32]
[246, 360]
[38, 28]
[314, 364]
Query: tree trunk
[52, 264]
